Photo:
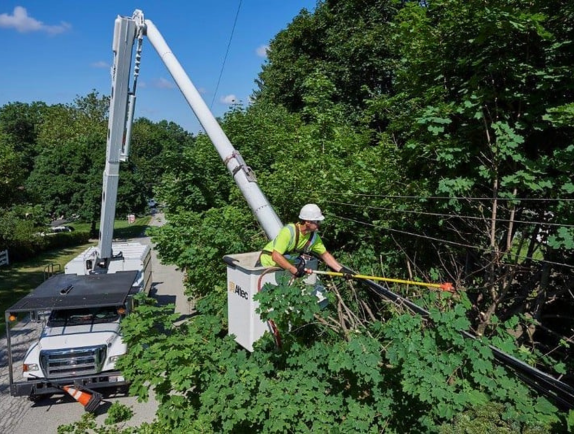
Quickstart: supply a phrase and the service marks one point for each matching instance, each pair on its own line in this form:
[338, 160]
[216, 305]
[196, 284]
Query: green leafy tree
[475, 89]
[154, 148]
[11, 174]
[64, 175]
[345, 40]
[19, 124]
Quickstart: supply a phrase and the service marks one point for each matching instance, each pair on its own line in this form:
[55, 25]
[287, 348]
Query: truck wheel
[38, 398]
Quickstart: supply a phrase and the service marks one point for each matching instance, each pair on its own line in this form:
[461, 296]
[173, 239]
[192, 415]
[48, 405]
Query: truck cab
[80, 338]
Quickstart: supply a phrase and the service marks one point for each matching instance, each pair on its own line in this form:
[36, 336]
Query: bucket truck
[81, 310]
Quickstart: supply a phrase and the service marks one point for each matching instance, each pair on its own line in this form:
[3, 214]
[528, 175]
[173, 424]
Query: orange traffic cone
[89, 401]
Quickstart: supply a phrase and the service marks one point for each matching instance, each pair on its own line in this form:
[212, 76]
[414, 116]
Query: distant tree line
[52, 159]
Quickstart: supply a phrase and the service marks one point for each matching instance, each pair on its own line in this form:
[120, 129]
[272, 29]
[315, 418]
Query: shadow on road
[162, 299]
[62, 398]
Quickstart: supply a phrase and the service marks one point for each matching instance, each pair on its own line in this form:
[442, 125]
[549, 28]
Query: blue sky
[53, 51]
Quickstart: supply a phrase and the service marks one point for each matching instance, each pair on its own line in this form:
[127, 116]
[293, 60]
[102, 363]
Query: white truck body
[80, 341]
[79, 349]
[128, 256]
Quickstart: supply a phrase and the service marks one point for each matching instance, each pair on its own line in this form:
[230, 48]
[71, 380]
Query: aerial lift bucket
[90, 401]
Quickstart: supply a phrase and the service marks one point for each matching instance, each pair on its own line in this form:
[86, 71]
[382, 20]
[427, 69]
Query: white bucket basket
[244, 280]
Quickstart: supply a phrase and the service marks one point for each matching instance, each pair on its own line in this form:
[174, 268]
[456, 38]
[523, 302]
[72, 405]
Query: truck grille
[72, 362]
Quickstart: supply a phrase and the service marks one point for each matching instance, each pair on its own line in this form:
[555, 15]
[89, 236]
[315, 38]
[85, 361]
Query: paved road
[20, 416]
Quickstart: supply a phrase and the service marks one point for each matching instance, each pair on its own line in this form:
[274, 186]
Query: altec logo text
[238, 290]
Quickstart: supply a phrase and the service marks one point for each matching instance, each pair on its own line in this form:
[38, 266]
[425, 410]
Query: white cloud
[262, 50]
[229, 99]
[24, 23]
[100, 64]
[163, 83]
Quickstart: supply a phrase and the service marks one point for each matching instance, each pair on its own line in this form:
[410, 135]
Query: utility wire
[226, 53]
[409, 233]
[450, 215]
[448, 242]
[517, 199]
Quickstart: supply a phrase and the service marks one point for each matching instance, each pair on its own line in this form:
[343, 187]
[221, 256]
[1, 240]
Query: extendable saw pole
[442, 286]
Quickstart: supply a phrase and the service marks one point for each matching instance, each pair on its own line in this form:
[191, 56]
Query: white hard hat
[311, 212]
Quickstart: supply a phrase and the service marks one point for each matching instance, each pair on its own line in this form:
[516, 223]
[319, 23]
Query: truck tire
[38, 398]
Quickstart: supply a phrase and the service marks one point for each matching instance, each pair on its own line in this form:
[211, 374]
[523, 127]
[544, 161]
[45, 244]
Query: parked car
[62, 229]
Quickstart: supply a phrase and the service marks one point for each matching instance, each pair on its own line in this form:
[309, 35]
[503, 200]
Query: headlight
[29, 367]
[114, 359]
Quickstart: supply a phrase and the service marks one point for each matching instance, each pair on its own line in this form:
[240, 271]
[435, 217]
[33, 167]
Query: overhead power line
[557, 391]
[517, 199]
[443, 241]
[226, 53]
[362, 206]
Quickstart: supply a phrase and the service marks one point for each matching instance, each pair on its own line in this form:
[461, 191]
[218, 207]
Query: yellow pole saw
[442, 286]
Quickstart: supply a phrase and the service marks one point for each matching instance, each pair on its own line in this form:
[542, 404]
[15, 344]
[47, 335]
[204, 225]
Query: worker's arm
[331, 262]
[280, 260]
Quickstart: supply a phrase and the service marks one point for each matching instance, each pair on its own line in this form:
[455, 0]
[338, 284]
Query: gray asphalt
[20, 416]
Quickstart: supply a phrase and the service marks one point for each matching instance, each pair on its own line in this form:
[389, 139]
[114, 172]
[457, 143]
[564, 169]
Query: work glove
[300, 269]
[346, 275]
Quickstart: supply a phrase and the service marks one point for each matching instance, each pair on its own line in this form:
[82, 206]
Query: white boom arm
[122, 104]
[244, 177]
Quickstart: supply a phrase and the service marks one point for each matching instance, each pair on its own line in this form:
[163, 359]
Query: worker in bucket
[296, 241]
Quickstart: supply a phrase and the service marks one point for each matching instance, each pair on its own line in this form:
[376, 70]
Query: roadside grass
[19, 278]
[122, 229]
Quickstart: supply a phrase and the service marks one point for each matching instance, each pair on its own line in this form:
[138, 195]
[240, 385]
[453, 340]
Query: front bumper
[43, 386]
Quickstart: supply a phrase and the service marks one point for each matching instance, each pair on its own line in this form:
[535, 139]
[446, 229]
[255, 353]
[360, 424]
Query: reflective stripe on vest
[295, 236]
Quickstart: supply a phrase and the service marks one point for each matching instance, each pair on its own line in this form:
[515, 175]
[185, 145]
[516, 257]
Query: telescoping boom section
[128, 34]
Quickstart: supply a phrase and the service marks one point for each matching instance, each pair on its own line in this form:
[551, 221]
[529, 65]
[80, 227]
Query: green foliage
[194, 178]
[156, 148]
[448, 373]
[19, 127]
[489, 418]
[197, 242]
[16, 228]
[59, 154]
[401, 375]
[87, 422]
[294, 307]
[11, 174]
[65, 175]
[24, 233]
[346, 41]
[118, 412]
[211, 385]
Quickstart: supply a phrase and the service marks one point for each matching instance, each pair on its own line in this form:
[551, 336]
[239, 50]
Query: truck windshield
[83, 316]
